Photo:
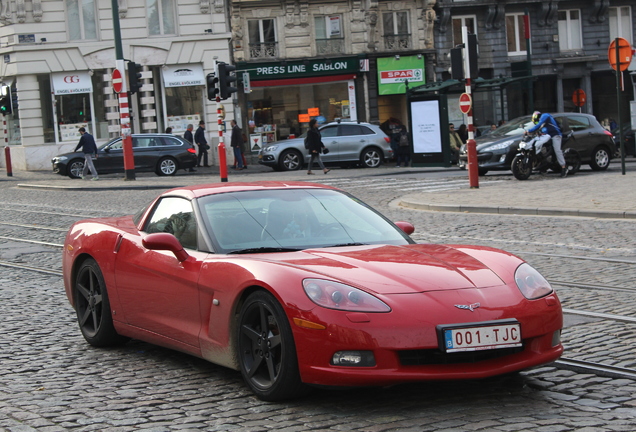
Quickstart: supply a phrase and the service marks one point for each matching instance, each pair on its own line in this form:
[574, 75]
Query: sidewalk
[592, 194]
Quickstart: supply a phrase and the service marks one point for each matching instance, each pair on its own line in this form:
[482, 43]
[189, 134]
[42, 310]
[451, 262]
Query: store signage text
[292, 69]
[300, 69]
[398, 76]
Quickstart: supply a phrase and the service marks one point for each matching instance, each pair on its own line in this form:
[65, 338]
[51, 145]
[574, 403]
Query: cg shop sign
[65, 83]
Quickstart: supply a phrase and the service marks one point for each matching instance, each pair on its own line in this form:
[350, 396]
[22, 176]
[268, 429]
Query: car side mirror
[106, 149]
[165, 241]
[406, 227]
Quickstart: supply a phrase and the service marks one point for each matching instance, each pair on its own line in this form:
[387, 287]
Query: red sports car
[298, 284]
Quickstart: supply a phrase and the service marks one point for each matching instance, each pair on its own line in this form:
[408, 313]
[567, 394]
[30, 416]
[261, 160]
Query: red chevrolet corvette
[298, 284]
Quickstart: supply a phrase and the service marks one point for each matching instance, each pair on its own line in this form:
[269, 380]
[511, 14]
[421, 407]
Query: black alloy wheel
[266, 349]
[521, 167]
[93, 308]
[75, 168]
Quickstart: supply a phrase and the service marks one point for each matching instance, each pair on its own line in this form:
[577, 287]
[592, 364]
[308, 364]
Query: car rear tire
[371, 157]
[600, 158]
[572, 161]
[93, 307]
[167, 167]
[266, 350]
[290, 160]
[75, 168]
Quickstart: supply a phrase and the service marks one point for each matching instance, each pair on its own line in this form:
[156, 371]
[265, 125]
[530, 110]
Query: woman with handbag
[315, 146]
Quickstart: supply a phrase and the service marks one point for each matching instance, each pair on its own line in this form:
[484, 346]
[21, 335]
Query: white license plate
[482, 337]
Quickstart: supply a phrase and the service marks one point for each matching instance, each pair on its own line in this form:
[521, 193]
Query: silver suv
[348, 143]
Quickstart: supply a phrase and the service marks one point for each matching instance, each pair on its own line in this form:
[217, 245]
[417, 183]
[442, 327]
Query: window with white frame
[82, 19]
[262, 35]
[515, 34]
[328, 27]
[620, 23]
[570, 30]
[161, 17]
[470, 21]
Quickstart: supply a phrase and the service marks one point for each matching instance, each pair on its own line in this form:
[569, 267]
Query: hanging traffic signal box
[5, 100]
[211, 82]
[134, 77]
[226, 79]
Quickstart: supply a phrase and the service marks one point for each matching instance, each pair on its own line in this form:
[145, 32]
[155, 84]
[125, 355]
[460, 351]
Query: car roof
[201, 190]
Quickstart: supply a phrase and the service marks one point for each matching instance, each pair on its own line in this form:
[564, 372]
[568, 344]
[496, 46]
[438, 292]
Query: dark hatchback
[162, 153]
[496, 150]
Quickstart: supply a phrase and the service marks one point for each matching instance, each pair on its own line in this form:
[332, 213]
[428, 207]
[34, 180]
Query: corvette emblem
[470, 307]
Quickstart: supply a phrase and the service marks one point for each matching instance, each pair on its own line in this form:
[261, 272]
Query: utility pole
[124, 111]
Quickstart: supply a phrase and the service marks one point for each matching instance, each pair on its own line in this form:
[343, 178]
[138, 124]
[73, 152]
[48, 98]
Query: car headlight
[336, 295]
[270, 148]
[60, 158]
[530, 282]
[500, 146]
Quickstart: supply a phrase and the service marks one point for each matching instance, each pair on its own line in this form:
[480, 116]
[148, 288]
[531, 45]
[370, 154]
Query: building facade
[569, 43]
[58, 57]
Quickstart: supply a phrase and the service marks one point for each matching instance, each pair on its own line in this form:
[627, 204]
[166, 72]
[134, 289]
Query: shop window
[161, 17]
[458, 23]
[329, 38]
[262, 34]
[570, 30]
[82, 19]
[396, 30]
[515, 34]
[620, 23]
[184, 106]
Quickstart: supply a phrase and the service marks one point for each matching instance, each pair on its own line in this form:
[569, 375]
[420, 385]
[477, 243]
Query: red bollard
[473, 167]
[222, 161]
[7, 158]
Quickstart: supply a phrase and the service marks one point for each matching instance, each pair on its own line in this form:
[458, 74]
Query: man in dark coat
[199, 139]
[89, 148]
[237, 144]
[315, 146]
[187, 135]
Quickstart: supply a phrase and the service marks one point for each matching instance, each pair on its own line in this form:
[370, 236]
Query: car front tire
[371, 157]
[167, 167]
[291, 160]
[93, 307]
[266, 349]
[600, 159]
[75, 168]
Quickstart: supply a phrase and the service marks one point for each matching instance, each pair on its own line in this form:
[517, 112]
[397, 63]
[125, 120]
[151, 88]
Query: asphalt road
[51, 380]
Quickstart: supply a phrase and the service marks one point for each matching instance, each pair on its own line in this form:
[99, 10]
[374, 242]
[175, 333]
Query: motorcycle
[528, 160]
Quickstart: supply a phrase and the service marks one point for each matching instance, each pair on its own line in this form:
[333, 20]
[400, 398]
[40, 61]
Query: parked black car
[162, 153]
[496, 150]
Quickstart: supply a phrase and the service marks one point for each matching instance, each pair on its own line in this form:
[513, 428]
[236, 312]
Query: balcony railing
[330, 46]
[263, 50]
[397, 42]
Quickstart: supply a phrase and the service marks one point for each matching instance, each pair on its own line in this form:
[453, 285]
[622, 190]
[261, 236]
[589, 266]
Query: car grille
[436, 357]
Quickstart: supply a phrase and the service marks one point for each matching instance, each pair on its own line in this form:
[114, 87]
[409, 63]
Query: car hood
[484, 142]
[70, 155]
[398, 269]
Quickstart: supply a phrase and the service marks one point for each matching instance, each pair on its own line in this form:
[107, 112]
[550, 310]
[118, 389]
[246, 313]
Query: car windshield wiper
[350, 244]
[263, 250]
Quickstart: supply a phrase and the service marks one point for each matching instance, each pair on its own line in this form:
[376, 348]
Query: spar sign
[394, 71]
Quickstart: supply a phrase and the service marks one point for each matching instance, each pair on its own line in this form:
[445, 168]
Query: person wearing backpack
[404, 150]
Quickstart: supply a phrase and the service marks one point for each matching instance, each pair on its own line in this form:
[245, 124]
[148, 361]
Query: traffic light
[473, 56]
[226, 79]
[211, 82]
[6, 103]
[134, 77]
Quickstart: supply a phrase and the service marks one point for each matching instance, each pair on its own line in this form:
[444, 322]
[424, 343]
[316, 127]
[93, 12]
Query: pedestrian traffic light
[226, 79]
[134, 77]
[6, 103]
[211, 82]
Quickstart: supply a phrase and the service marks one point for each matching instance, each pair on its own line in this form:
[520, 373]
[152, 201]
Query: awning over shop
[183, 75]
[72, 82]
[479, 84]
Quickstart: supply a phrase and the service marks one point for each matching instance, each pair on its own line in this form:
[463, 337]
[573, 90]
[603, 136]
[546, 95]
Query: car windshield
[513, 127]
[293, 219]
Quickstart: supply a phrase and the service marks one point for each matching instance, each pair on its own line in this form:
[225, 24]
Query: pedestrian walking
[404, 152]
[89, 148]
[199, 139]
[237, 145]
[314, 144]
[187, 135]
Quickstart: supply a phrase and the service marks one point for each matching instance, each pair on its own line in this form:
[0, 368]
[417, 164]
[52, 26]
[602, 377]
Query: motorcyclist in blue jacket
[550, 130]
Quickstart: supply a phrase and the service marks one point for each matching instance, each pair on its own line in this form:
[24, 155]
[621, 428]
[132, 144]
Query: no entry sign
[465, 103]
[117, 81]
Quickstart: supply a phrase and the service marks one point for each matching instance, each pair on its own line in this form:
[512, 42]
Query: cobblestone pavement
[51, 380]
